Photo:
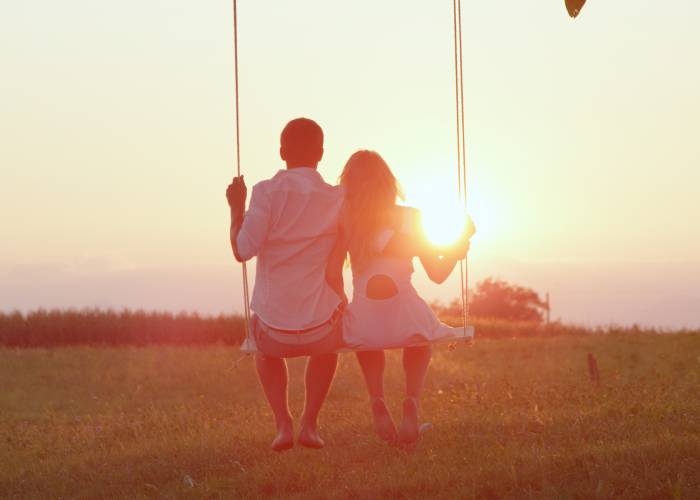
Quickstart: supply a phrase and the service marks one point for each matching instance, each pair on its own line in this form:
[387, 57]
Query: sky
[117, 142]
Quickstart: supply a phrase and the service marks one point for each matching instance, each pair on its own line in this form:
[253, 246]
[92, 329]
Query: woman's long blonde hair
[371, 191]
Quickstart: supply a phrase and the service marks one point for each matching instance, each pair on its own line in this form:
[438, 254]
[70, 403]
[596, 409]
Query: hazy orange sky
[116, 131]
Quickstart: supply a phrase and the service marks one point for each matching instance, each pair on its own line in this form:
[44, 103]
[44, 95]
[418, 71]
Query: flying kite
[574, 6]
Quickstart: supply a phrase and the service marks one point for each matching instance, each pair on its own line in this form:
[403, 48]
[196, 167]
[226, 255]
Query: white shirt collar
[301, 169]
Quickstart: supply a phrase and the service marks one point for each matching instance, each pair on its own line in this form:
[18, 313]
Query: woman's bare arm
[438, 267]
[438, 260]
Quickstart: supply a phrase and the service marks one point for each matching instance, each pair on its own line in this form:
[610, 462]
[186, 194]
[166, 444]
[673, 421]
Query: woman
[382, 238]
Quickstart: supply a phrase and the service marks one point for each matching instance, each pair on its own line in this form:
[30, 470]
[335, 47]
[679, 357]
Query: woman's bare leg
[415, 365]
[273, 378]
[372, 364]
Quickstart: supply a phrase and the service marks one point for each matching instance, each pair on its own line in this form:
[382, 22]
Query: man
[291, 227]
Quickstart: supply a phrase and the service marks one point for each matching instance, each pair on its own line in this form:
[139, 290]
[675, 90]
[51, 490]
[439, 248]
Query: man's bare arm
[236, 223]
[236, 194]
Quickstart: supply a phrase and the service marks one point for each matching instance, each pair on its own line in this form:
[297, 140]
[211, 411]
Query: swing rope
[461, 145]
[246, 292]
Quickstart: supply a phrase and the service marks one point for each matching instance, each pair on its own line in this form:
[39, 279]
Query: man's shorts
[322, 339]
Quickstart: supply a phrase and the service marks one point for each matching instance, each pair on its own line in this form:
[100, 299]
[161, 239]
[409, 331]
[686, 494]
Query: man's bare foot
[409, 432]
[309, 438]
[285, 437]
[383, 423]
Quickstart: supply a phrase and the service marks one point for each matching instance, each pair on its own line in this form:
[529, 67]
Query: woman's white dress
[402, 320]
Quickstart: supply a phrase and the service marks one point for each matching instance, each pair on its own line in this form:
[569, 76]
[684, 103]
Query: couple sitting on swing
[301, 229]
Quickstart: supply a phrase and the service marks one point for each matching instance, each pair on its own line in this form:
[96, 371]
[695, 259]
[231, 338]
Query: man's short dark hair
[302, 139]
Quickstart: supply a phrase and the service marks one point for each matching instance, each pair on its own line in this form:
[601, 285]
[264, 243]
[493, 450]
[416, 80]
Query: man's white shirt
[291, 226]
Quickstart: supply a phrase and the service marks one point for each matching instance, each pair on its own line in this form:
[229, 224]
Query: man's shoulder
[314, 183]
[263, 184]
[279, 181]
[334, 189]
[266, 187]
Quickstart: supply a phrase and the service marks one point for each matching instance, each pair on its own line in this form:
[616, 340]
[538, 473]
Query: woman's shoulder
[408, 219]
[408, 211]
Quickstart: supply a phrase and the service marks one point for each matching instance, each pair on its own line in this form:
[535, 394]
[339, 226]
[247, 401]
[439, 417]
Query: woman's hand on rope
[236, 194]
[462, 246]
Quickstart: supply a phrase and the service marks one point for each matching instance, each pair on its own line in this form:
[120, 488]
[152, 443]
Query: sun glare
[443, 218]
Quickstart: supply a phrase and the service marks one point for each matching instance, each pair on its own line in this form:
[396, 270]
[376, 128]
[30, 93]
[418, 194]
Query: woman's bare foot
[383, 423]
[309, 437]
[409, 432]
[285, 437]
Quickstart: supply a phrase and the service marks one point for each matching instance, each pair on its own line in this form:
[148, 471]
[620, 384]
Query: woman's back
[380, 272]
[382, 239]
[386, 311]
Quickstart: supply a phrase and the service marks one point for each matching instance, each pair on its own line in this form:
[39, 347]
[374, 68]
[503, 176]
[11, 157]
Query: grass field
[512, 419]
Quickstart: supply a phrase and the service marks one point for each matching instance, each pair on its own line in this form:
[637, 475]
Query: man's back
[291, 226]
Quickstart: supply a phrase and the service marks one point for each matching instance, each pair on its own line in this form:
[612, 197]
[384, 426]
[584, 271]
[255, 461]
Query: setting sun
[443, 218]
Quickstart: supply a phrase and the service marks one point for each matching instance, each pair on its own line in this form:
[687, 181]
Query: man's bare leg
[415, 365]
[273, 378]
[372, 364]
[320, 370]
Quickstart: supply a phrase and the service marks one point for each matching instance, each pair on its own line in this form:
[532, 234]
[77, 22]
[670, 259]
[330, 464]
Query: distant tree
[494, 298]
[499, 299]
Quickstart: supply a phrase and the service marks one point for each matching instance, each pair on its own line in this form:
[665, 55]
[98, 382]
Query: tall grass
[55, 328]
[495, 328]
